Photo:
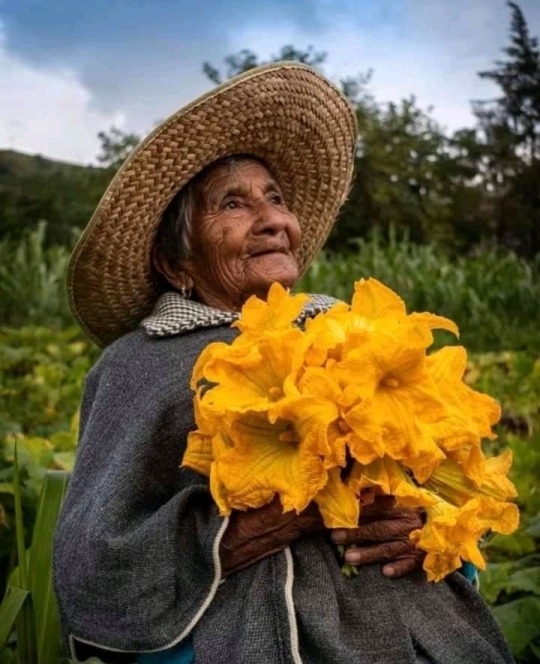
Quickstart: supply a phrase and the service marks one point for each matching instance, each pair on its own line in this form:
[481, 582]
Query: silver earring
[185, 292]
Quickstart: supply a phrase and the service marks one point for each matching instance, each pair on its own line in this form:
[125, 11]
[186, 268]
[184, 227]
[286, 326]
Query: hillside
[34, 188]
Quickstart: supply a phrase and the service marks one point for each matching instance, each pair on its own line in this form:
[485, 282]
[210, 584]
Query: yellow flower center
[288, 436]
[275, 393]
[390, 381]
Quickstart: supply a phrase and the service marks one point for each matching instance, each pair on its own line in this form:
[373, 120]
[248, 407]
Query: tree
[518, 109]
[116, 146]
[509, 128]
[246, 59]
[410, 177]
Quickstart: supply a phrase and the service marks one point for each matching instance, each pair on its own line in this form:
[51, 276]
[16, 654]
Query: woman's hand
[257, 533]
[383, 537]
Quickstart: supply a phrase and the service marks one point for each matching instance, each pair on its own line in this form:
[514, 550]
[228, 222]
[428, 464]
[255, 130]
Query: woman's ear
[175, 275]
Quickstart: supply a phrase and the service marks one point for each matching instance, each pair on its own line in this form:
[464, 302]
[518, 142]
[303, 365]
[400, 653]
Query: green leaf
[7, 657]
[21, 550]
[525, 580]
[517, 544]
[533, 529]
[9, 611]
[40, 568]
[519, 621]
[494, 580]
[25, 617]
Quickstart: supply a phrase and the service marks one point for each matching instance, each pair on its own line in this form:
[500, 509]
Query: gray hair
[173, 239]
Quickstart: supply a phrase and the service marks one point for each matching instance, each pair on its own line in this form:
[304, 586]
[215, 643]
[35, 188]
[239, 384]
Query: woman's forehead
[237, 176]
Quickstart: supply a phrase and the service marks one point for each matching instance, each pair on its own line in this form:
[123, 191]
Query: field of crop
[492, 296]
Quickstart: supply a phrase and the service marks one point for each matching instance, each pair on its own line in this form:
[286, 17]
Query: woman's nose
[270, 220]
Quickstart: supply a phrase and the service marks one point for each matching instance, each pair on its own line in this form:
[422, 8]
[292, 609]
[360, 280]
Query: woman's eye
[277, 199]
[230, 205]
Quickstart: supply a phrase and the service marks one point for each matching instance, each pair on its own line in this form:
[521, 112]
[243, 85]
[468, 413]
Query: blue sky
[70, 68]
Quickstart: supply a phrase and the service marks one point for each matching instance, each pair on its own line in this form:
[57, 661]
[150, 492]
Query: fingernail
[352, 556]
[339, 535]
[388, 571]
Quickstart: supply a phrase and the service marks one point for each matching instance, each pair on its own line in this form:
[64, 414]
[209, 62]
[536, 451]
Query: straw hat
[285, 113]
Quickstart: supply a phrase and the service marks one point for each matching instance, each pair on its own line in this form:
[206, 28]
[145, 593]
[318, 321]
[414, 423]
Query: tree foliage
[116, 146]
[517, 111]
[509, 135]
[34, 189]
[244, 60]
[477, 187]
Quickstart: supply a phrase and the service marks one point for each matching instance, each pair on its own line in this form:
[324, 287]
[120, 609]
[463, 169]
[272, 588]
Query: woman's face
[243, 238]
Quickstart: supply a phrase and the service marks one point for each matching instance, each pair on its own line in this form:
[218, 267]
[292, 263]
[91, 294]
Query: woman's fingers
[398, 525]
[384, 538]
[388, 552]
[404, 565]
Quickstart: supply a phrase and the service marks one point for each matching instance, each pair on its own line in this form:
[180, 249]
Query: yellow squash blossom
[387, 474]
[338, 503]
[278, 312]
[450, 483]
[282, 411]
[451, 533]
[256, 381]
[398, 398]
[330, 330]
[254, 460]
[374, 301]
[199, 454]
[471, 414]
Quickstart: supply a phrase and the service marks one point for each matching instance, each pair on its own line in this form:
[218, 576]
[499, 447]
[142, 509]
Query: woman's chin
[268, 268]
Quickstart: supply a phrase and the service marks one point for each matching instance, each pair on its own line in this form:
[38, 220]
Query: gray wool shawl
[136, 559]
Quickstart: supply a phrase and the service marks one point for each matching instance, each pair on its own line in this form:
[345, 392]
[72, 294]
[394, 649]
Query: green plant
[492, 296]
[511, 582]
[29, 620]
[32, 278]
[42, 373]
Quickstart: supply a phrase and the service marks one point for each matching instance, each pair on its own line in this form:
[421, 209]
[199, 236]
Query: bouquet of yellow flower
[352, 402]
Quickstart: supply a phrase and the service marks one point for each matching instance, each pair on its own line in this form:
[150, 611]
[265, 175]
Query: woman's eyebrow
[272, 185]
[236, 189]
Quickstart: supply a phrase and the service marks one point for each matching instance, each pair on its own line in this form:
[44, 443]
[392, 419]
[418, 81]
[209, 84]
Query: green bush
[42, 375]
[511, 582]
[32, 281]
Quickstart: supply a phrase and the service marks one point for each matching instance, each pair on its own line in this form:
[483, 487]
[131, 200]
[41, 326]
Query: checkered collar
[174, 314]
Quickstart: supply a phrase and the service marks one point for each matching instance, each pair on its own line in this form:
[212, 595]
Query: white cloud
[48, 112]
[434, 53]
[429, 48]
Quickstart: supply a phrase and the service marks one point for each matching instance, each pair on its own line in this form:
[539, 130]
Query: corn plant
[29, 621]
[493, 296]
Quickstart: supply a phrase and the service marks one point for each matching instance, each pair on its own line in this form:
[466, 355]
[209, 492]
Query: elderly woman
[229, 195]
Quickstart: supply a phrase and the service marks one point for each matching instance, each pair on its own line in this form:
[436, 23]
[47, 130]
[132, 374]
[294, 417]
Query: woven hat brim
[285, 113]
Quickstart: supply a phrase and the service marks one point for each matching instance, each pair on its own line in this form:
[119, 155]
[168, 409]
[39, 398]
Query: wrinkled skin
[244, 238]
[382, 538]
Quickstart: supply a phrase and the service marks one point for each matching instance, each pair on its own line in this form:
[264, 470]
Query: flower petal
[259, 463]
[372, 300]
[338, 504]
[276, 313]
[198, 455]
